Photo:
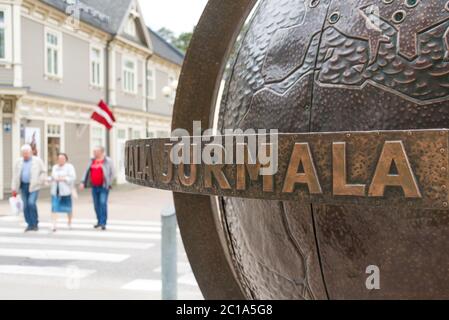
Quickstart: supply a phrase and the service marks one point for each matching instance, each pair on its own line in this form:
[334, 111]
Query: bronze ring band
[325, 177]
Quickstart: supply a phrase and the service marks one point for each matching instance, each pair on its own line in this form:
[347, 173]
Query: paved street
[82, 263]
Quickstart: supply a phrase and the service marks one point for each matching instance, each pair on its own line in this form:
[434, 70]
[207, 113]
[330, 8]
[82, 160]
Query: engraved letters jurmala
[253, 171]
[215, 171]
[167, 176]
[394, 152]
[188, 179]
[302, 155]
[312, 167]
[340, 184]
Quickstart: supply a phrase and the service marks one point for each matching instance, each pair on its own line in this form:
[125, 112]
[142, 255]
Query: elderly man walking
[99, 176]
[29, 176]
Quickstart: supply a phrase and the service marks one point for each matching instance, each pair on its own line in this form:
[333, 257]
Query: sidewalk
[126, 202]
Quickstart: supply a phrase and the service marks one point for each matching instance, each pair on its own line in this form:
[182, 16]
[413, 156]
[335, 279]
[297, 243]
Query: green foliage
[181, 42]
[167, 34]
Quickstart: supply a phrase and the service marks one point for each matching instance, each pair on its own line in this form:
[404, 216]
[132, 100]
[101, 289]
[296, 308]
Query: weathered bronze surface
[321, 66]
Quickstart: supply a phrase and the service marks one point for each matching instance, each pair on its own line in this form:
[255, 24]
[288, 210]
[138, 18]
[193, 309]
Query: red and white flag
[103, 115]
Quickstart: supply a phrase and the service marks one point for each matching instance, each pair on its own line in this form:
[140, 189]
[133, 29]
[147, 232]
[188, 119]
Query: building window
[54, 130]
[151, 83]
[136, 134]
[162, 134]
[150, 135]
[96, 67]
[130, 28]
[121, 134]
[53, 53]
[98, 138]
[53, 145]
[129, 76]
[121, 143]
[157, 133]
[5, 33]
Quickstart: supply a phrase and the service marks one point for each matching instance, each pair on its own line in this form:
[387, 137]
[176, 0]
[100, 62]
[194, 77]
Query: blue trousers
[100, 196]
[29, 205]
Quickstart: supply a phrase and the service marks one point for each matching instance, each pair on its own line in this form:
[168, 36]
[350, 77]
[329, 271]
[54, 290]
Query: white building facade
[59, 58]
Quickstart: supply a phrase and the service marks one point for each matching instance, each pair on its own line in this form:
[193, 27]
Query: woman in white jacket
[63, 179]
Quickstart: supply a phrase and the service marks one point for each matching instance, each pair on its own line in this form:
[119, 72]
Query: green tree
[181, 42]
[167, 34]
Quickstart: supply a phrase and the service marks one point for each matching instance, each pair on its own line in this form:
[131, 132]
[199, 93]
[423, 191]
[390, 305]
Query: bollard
[169, 254]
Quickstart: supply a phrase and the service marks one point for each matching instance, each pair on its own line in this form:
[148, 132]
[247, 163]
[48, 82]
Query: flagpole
[108, 142]
[107, 97]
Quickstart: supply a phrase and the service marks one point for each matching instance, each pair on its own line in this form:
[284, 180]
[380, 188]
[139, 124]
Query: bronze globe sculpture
[340, 66]
[317, 66]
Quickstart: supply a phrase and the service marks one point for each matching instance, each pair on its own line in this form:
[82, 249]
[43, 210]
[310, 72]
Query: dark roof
[164, 49]
[114, 10]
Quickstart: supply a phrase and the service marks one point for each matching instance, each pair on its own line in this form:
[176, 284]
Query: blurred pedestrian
[99, 176]
[29, 177]
[63, 177]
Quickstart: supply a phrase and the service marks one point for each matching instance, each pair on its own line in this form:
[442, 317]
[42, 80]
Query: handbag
[16, 205]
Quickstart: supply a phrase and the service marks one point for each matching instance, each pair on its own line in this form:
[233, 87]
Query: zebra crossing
[120, 263]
